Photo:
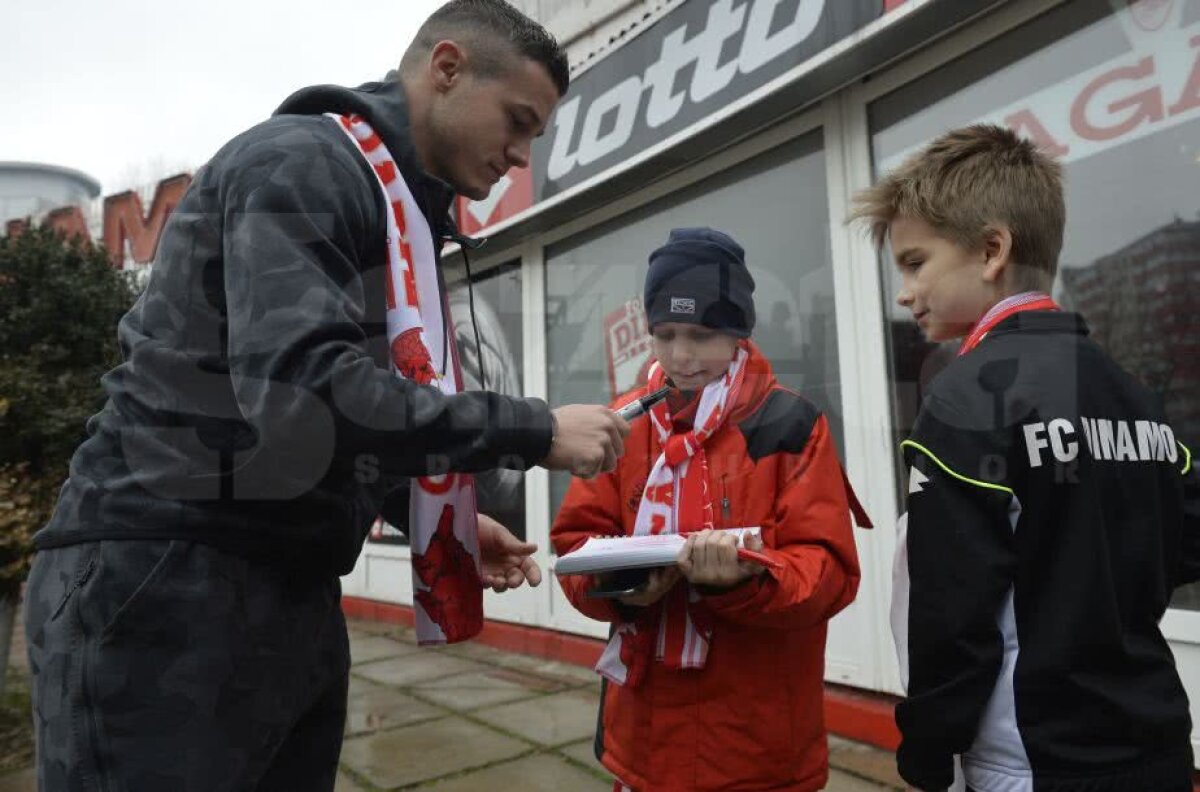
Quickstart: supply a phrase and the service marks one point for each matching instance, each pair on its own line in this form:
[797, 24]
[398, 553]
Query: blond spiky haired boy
[1051, 511]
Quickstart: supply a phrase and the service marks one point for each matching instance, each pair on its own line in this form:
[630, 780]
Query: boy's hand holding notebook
[605, 554]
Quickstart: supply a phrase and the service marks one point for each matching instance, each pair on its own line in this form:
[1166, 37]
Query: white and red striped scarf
[443, 529]
[676, 500]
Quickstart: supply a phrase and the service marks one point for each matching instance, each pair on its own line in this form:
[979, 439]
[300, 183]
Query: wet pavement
[469, 718]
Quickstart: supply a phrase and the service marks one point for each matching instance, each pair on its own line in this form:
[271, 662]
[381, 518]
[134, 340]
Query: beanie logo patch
[683, 305]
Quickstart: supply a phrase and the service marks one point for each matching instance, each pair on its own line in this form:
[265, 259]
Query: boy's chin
[690, 384]
[941, 334]
[934, 337]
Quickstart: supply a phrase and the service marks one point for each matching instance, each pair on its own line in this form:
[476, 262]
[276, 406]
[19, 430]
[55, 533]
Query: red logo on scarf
[442, 568]
[411, 358]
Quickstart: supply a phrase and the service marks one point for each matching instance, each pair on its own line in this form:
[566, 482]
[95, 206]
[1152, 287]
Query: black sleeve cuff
[529, 442]
[931, 771]
[394, 508]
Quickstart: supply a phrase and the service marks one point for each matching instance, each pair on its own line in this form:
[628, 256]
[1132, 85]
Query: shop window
[500, 493]
[1115, 94]
[775, 206]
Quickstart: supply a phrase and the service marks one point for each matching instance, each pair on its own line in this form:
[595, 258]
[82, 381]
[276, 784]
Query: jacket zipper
[725, 510]
[78, 584]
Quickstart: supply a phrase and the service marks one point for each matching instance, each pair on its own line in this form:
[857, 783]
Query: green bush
[26, 502]
[60, 301]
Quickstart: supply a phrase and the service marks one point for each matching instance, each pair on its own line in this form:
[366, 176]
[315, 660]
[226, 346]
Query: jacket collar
[758, 382]
[384, 105]
[1043, 322]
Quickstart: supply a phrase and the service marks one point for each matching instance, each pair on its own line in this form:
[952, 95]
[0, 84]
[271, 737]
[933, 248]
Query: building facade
[31, 189]
[763, 117]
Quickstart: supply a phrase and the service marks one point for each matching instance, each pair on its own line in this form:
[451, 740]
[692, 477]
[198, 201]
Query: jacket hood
[385, 107]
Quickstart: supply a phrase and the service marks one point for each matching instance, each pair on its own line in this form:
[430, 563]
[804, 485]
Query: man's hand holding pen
[589, 439]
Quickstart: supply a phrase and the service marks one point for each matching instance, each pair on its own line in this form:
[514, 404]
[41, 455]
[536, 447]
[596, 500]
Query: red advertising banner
[510, 196]
[627, 347]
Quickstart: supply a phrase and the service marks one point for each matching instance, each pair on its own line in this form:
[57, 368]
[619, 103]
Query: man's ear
[997, 253]
[447, 62]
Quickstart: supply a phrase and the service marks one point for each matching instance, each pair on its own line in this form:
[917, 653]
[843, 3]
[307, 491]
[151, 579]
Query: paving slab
[21, 781]
[838, 780]
[374, 707]
[368, 648]
[584, 753]
[538, 773]
[484, 688]
[395, 740]
[356, 627]
[345, 783]
[427, 751]
[864, 761]
[568, 672]
[552, 669]
[403, 635]
[393, 631]
[844, 782]
[414, 668]
[550, 720]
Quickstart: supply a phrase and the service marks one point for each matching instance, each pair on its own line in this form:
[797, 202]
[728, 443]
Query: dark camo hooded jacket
[255, 409]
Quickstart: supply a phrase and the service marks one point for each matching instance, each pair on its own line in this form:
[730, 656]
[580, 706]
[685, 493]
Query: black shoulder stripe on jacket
[783, 422]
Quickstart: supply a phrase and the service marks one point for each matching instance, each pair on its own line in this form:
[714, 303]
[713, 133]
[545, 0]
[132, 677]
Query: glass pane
[500, 493]
[1116, 96]
[776, 207]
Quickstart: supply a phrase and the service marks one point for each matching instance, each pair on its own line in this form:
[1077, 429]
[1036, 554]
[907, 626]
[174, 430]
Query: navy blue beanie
[700, 277]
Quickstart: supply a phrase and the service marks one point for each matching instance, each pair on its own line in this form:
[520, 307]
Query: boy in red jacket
[717, 664]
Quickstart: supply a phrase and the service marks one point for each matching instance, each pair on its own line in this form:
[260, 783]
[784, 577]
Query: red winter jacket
[752, 718]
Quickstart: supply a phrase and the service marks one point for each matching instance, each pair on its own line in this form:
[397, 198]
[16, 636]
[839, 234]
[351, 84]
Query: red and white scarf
[443, 521]
[676, 500]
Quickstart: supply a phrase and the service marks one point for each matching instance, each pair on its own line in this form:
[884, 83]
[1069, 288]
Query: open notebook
[606, 553]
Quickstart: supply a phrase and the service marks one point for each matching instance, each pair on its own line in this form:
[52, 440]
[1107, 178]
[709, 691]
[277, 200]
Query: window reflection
[1115, 94]
[776, 207]
[500, 493]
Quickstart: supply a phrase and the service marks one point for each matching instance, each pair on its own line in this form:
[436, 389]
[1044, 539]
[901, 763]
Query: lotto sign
[696, 59]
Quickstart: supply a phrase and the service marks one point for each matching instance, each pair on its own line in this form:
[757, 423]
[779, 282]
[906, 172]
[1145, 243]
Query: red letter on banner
[124, 219]
[1148, 103]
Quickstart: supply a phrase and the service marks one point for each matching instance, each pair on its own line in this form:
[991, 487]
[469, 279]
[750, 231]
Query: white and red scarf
[443, 531]
[676, 500]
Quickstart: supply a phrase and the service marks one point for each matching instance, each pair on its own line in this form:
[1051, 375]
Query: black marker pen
[642, 406]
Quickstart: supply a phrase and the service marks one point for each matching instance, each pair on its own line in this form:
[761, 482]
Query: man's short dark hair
[488, 27]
